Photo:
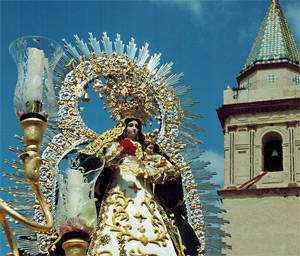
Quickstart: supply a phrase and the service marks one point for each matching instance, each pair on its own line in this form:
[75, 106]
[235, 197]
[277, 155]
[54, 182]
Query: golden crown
[129, 91]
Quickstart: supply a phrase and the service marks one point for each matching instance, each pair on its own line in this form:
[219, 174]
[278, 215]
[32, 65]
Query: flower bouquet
[127, 147]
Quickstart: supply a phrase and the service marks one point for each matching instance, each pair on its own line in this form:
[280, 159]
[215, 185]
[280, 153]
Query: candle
[76, 205]
[75, 183]
[35, 75]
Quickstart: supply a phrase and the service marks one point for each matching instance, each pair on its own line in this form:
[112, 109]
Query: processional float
[50, 88]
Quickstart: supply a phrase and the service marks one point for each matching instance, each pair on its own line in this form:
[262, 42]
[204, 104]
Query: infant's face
[149, 149]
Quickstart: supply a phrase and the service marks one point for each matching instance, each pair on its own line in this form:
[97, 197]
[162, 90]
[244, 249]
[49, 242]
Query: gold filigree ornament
[128, 92]
[141, 229]
[151, 137]
[134, 187]
[131, 86]
[132, 253]
[105, 239]
[140, 217]
[121, 215]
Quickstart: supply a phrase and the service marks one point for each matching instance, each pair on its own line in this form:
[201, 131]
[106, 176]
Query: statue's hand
[120, 155]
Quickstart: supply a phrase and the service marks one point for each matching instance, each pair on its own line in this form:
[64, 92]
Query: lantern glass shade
[76, 209]
[36, 58]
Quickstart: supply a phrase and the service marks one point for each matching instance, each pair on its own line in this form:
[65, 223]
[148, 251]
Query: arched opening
[272, 152]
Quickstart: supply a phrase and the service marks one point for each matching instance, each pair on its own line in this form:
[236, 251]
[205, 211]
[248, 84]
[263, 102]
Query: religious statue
[146, 196]
[135, 216]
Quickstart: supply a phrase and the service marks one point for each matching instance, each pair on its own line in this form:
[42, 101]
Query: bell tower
[261, 125]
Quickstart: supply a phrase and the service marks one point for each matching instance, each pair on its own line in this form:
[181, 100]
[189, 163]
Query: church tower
[261, 125]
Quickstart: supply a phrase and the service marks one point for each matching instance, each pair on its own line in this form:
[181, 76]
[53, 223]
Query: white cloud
[293, 18]
[217, 165]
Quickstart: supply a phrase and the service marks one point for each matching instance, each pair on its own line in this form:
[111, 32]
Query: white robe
[131, 221]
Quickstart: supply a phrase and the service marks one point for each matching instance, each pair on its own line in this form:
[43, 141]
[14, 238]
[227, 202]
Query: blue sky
[209, 41]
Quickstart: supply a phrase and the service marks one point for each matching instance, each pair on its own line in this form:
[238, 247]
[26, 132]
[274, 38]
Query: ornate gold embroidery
[140, 217]
[172, 137]
[120, 218]
[141, 229]
[100, 225]
[105, 239]
[72, 111]
[121, 242]
[144, 240]
[104, 139]
[135, 172]
[120, 202]
[182, 247]
[131, 253]
[155, 221]
[170, 231]
[106, 253]
[71, 119]
[172, 121]
[134, 187]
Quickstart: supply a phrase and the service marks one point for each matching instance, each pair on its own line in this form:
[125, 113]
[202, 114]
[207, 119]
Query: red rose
[128, 147]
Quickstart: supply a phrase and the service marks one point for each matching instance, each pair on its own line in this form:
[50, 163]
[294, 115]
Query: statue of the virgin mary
[140, 198]
[146, 195]
[139, 194]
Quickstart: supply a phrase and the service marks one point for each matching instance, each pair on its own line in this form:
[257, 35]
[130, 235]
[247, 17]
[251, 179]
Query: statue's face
[132, 130]
[149, 149]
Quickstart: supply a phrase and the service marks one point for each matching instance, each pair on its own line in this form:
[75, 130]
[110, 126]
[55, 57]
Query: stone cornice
[284, 191]
[257, 107]
[259, 66]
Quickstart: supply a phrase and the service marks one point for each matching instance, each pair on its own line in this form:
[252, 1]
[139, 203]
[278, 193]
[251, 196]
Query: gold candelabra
[75, 247]
[34, 101]
[33, 129]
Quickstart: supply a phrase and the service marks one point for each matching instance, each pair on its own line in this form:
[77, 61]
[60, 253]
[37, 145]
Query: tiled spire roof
[274, 42]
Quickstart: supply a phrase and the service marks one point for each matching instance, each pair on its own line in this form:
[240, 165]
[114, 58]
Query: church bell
[274, 153]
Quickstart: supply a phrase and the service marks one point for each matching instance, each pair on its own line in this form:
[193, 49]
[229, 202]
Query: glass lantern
[36, 58]
[76, 214]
